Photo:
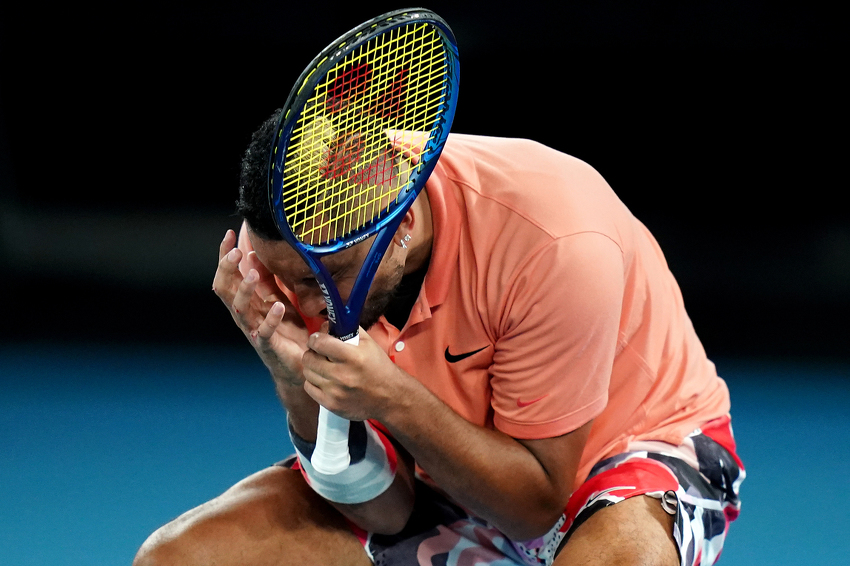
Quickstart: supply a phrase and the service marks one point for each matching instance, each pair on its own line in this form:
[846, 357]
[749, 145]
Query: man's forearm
[485, 470]
[302, 411]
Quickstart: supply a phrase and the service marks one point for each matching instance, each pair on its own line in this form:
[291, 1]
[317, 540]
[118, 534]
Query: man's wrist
[301, 409]
[408, 399]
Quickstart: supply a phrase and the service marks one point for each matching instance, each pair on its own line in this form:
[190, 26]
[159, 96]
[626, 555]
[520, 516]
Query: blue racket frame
[344, 316]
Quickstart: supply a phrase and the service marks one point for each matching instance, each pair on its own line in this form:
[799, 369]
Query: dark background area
[718, 124]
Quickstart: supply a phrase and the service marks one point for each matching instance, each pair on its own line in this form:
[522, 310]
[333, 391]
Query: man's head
[253, 203]
[339, 188]
[284, 262]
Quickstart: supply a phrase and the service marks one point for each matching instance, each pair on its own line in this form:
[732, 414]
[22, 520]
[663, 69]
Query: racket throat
[329, 302]
[351, 337]
[341, 322]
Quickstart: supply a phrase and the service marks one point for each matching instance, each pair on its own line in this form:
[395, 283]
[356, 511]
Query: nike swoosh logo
[522, 404]
[453, 359]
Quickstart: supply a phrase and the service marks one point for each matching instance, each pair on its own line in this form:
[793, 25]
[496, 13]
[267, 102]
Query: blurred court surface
[100, 445]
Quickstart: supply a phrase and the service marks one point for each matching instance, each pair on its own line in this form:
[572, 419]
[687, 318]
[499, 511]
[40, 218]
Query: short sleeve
[558, 337]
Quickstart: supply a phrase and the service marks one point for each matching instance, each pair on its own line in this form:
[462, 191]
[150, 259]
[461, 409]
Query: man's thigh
[636, 531]
[270, 518]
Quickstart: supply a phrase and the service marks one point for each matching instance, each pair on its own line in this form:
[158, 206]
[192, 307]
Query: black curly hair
[253, 202]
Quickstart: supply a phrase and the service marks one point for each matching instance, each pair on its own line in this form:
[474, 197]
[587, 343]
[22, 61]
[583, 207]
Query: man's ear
[406, 226]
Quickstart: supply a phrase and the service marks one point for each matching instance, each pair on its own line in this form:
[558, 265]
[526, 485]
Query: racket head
[337, 174]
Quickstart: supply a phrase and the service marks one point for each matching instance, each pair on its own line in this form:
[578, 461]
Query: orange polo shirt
[565, 299]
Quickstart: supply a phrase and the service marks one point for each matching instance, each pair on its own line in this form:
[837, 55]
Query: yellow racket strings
[341, 169]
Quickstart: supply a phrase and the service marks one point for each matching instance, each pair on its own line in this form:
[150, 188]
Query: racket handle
[331, 453]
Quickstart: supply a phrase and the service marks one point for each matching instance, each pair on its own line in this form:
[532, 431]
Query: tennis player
[528, 390]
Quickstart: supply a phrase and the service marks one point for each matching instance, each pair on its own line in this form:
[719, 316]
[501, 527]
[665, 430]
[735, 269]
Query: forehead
[282, 260]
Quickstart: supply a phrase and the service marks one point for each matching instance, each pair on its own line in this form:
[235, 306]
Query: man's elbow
[388, 513]
[534, 522]
[391, 519]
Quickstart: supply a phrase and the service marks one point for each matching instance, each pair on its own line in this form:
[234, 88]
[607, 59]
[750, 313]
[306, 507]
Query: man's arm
[279, 336]
[520, 486]
[556, 341]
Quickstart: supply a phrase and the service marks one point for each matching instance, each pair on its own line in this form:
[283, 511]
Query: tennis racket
[338, 168]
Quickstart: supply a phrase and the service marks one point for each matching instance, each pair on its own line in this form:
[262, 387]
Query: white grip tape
[363, 480]
[331, 454]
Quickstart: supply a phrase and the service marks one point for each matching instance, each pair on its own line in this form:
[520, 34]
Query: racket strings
[342, 169]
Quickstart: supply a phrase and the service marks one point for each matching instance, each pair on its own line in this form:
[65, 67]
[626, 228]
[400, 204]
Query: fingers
[233, 265]
[245, 298]
[260, 310]
[227, 244]
[236, 291]
[266, 285]
[317, 370]
[270, 324]
[227, 275]
[331, 348]
[354, 382]
[316, 361]
[326, 357]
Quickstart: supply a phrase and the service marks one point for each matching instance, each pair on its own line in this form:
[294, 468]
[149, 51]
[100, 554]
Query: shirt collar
[445, 215]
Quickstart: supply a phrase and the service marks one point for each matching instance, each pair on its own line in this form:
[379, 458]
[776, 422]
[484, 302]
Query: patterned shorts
[698, 482]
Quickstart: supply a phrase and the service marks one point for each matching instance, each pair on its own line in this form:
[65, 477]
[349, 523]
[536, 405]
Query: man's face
[385, 174]
[285, 263]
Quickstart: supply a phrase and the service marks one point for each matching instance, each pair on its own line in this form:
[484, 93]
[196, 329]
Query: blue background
[100, 446]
